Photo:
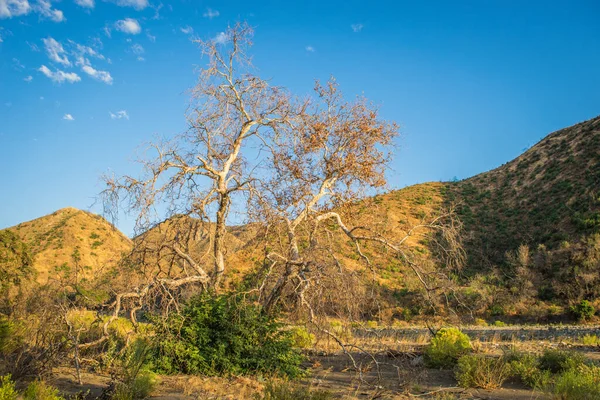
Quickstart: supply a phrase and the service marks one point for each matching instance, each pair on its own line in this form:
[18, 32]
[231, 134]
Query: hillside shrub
[583, 310]
[557, 361]
[132, 378]
[581, 383]
[479, 371]
[39, 390]
[7, 388]
[302, 338]
[446, 347]
[525, 367]
[222, 335]
[283, 390]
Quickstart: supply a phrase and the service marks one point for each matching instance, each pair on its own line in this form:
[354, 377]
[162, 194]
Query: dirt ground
[401, 376]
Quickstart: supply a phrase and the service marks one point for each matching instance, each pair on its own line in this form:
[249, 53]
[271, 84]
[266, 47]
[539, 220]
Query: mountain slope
[548, 195]
[68, 234]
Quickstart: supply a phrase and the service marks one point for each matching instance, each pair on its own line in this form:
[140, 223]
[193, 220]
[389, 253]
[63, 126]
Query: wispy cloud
[210, 13]
[55, 51]
[137, 49]
[28, 78]
[357, 27]
[137, 4]
[17, 63]
[68, 117]
[44, 8]
[119, 115]
[187, 29]
[85, 3]
[33, 46]
[128, 25]
[221, 38]
[103, 76]
[310, 49]
[14, 8]
[151, 37]
[59, 76]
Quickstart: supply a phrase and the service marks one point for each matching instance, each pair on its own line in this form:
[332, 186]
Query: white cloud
[150, 37]
[357, 27]
[14, 8]
[137, 4]
[221, 38]
[68, 117]
[17, 64]
[44, 8]
[32, 46]
[28, 78]
[210, 13]
[187, 29]
[310, 49]
[55, 51]
[59, 76]
[140, 58]
[119, 115]
[103, 76]
[85, 3]
[128, 25]
[137, 49]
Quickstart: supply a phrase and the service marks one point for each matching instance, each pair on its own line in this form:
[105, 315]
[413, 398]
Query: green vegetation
[448, 345]
[224, 335]
[283, 390]
[583, 310]
[479, 371]
[581, 383]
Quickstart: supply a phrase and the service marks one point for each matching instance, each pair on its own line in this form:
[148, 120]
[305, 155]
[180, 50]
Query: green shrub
[479, 371]
[39, 390]
[224, 335]
[7, 388]
[283, 390]
[525, 367]
[301, 337]
[581, 383]
[583, 310]
[590, 340]
[132, 379]
[448, 345]
[557, 361]
[499, 324]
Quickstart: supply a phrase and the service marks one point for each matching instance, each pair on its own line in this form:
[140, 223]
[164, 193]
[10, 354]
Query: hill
[70, 234]
[547, 196]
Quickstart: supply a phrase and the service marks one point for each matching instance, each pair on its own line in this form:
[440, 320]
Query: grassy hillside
[547, 199]
[68, 235]
[548, 195]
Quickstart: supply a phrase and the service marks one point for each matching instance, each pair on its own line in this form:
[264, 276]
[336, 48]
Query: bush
[499, 324]
[448, 345]
[583, 310]
[285, 391]
[525, 367]
[39, 390]
[557, 361]
[131, 377]
[301, 337]
[7, 388]
[581, 383]
[478, 371]
[590, 340]
[224, 335]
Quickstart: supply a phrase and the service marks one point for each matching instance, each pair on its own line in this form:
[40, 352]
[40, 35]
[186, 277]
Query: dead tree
[319, 169]
[200, 172]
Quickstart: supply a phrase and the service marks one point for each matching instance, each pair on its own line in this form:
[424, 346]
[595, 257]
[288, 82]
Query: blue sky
[83, 83]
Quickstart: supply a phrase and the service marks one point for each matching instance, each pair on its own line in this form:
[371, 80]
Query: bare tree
[198, 173]
[318, 171]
